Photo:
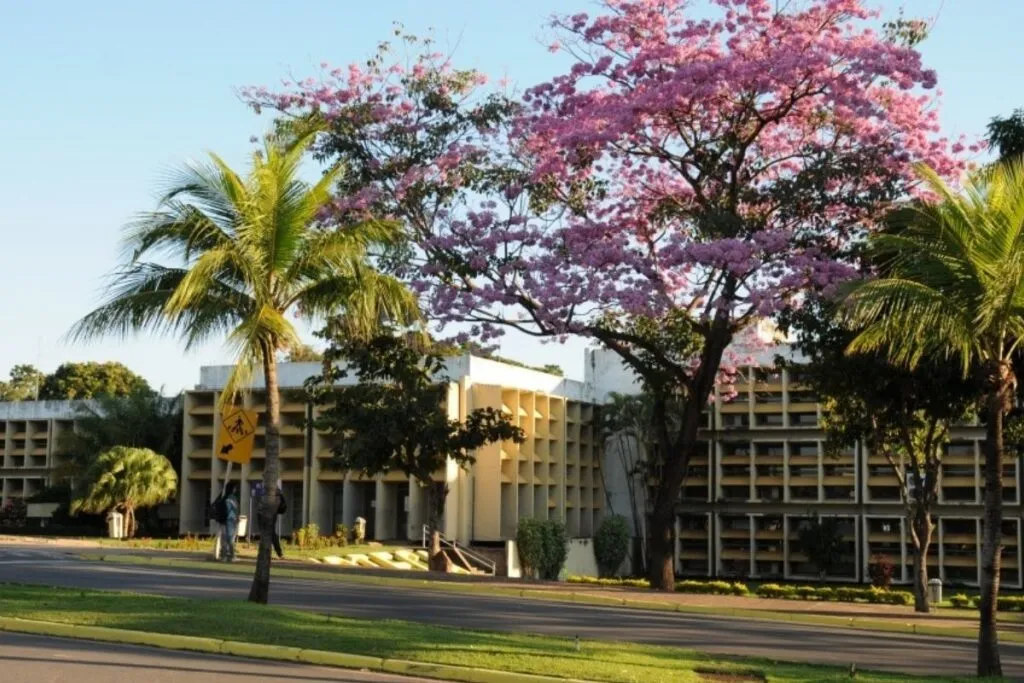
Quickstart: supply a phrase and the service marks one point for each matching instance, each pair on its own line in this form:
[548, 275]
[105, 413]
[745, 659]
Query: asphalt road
[792, 642]
[58, 660]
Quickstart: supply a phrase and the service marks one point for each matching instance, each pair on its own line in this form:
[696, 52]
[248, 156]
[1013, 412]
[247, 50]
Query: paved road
[58, 660]
[869, 650]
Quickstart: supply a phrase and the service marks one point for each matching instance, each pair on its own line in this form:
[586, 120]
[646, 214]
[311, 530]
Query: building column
[416, 518]
[348, 502]
[384, 516]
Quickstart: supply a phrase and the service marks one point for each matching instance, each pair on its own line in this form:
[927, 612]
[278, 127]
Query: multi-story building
[30, 438]
[556, 472]
[763, 472]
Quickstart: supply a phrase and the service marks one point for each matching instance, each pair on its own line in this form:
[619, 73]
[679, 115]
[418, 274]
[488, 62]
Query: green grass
[630, 599]
[240, 621]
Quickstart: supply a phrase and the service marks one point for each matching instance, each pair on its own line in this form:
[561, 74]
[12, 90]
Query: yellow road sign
[237, 434]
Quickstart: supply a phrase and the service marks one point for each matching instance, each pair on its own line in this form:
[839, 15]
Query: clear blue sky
[99, 98]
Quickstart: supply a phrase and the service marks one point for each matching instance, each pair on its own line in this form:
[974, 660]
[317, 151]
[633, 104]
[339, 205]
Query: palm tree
[247, 254]
[126, 479]
[953, 289]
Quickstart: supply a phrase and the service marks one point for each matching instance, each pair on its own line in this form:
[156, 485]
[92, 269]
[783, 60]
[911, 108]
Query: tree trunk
[921, 578]
[436, 494]
[988, 639]
[921, 522]
[267, 508]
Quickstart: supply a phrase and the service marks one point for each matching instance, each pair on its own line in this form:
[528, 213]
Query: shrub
[712, 588]
[960, 601]
[881, 571]
[13, 514]
[308, 537]
[341, 535]
[826, 593]
[614, 583]
[846, 594]
[774, 590]
[1010, 603]
[807, 592]
[542, 547]
[611, 544]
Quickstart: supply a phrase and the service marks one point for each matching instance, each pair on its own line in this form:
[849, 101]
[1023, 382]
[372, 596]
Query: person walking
[230, 527]
[282, 507]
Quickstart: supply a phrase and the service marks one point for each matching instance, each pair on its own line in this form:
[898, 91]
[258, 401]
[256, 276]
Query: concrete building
[30, 436]
[762, 473]
[555, 473]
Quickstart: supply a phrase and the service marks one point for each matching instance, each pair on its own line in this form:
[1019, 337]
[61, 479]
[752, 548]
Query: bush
[308, 537]
[807, 592]
[712, 588]
[774, 590]
[881, 571]
[341, 535]
[542, 547]
[1010, 603]
[613, 583]
[611, 544]
[13, 514]
[826, 594]
[960, 601]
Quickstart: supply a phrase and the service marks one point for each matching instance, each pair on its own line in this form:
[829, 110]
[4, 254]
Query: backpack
[219, 510]
[282, 507]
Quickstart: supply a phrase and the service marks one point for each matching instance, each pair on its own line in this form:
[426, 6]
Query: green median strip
[890, 625]
[244, 629]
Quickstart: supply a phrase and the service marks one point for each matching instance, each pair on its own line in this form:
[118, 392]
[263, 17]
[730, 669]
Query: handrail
[487, 564]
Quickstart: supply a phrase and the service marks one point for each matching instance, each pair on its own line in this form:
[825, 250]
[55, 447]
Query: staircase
[461, 556]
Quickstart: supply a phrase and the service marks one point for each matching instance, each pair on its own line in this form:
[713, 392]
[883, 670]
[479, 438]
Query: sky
[100, 99]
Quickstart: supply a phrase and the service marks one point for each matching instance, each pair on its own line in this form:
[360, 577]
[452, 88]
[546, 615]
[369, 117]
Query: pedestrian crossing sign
[237, 434]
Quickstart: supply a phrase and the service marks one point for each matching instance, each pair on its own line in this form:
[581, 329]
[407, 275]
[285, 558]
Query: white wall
[581, 561]
[41, 410]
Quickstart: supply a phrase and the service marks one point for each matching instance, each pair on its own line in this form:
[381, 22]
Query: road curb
[236, 648]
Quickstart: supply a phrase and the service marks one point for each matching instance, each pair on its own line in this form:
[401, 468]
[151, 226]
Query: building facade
[762, 473]
[30, 438]
[556, 472]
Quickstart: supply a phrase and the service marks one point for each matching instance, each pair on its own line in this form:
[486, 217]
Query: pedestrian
[230, 527]
[281, 508]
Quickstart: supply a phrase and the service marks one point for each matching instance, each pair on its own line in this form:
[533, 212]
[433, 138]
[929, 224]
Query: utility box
[243, 526]
[115, 525]
[935, 591]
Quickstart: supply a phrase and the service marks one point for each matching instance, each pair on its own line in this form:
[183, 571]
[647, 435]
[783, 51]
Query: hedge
[879, 596]
[1004, 603]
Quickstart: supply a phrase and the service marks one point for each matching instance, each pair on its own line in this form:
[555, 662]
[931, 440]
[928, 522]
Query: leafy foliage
[245, 253]
[24, 384]
[395, 418]
[140, 419]
[13, 514]
[542, 545]
[127, 479]
[1006, 134]
[881, 570]
[822, 541]
[611, 544]
[89, 380]
[303, 353]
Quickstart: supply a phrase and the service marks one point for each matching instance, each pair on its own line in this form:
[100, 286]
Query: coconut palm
[125, 479]
[954, 289]
[245, 254]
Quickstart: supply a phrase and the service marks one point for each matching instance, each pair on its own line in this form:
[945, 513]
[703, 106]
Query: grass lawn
[233, 620]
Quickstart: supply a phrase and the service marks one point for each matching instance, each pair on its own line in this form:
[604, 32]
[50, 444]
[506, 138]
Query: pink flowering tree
[690, 174]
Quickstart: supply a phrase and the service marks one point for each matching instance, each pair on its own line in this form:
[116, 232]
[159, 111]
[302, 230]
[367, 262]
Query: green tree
[901, 413]
[822, 541]
[89, 380]
[395, 417]
[142, 419]
[24, 384]
[126, 479]
[1006, 134]
[953, 289]
[302, 353]
[247, 255]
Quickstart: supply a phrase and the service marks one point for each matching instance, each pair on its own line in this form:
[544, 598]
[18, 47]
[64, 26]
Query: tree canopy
[89, 380]
[25, 383]
[395, 417]
[126, 479]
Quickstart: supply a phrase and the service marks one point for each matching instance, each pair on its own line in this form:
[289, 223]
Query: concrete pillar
[348, 502]
[417, 517]
[385, 517]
